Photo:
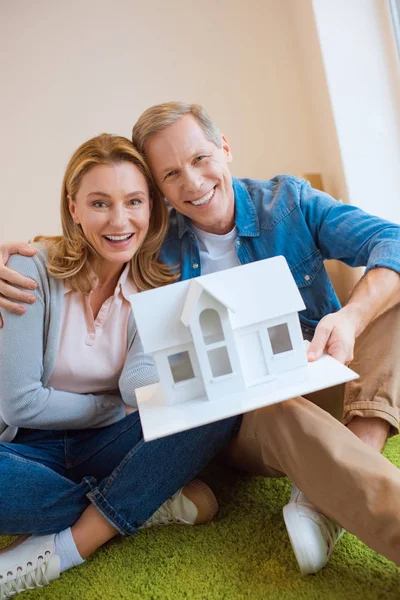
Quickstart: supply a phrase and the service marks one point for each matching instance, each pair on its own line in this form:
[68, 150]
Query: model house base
[160, 419]
[224, 344]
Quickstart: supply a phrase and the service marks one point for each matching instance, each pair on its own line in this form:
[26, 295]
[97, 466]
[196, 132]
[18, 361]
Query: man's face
[193, 174]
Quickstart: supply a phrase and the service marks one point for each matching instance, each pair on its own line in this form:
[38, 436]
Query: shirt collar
[246, 219]
[125, 284]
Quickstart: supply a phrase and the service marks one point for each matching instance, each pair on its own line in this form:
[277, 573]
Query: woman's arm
[24, 400]
[139, 370]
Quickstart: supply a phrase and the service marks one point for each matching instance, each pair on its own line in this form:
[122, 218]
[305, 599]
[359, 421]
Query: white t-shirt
[217, 252]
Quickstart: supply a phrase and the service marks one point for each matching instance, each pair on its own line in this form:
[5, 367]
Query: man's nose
[193, 180]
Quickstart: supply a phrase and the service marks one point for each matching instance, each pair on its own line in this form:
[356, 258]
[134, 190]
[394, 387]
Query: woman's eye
[199, 158]
[99, 204]
[135, 202]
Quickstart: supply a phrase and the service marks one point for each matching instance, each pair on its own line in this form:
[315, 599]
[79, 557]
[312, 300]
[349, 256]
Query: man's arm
[377, 292]
[9, 279]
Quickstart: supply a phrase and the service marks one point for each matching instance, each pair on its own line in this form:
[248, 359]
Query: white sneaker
[312, 535]
[28, 565]
[192, 505]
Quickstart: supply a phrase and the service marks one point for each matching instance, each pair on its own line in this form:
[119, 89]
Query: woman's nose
[118, 217]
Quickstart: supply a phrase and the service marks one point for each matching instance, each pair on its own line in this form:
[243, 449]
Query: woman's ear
[72, 209]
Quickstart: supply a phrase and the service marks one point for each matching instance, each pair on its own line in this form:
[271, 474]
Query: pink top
[92, 353]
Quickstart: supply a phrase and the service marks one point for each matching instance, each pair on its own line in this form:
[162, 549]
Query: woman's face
[113, 207]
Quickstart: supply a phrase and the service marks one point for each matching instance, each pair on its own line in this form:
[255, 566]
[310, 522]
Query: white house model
[224, 344]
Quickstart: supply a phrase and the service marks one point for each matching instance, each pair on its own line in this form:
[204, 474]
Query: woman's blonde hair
[158, 117]
[69, 254]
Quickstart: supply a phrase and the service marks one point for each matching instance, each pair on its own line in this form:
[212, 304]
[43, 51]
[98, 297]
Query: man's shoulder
[272, 198]
[273, 185]
[172, 233]
[171, 247]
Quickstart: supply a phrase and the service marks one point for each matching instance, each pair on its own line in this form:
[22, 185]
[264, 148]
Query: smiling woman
[68, 376]
[108, 192]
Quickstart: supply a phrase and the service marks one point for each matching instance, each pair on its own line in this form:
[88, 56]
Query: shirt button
[237, 242]
[107, 404]
[195, 266]
[307, 277]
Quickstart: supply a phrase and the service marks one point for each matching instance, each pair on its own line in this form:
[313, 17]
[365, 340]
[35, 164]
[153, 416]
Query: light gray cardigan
[28, 350]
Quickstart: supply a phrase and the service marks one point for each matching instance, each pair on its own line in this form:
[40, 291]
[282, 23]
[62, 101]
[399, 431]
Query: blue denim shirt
[285, 216]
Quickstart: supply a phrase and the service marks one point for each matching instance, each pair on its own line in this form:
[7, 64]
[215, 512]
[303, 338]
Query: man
[219, 222]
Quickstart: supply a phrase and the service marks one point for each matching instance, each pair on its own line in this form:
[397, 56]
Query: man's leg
[341, 476]
[371, 403]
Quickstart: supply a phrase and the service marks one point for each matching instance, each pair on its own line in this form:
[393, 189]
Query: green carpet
[243, 554]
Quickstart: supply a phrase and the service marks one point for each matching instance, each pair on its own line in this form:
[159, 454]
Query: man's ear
[226, 149]
[72, 209]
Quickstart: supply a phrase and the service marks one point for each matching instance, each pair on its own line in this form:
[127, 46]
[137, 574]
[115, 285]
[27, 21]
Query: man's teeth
[204, 199]
[118, 238]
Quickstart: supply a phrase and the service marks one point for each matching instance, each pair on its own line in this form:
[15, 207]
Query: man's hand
[335, 335]
[375, 293]
[9, 279]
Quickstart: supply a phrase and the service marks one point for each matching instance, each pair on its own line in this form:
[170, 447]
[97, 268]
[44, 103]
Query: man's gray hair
[160, 116]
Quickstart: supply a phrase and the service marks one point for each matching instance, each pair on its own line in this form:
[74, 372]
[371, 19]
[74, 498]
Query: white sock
[67, 551]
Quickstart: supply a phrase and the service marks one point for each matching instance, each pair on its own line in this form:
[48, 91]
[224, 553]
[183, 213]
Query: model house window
[219, 361]
[280, 338]
[395, 9]
[210, 323]
[215, 343]
[181, 366]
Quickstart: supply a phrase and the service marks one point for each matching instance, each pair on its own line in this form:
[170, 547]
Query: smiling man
[217, 222]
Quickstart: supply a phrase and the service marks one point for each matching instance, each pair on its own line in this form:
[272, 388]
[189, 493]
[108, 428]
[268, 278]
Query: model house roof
[252, 293]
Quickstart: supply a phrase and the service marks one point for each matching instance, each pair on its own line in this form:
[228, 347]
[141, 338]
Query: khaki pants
[346, 479]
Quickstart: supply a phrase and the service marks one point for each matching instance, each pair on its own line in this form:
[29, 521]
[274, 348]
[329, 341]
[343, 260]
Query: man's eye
[170, 174]
[199, 158]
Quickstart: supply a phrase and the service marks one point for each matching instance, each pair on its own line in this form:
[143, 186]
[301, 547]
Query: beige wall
[72, 70]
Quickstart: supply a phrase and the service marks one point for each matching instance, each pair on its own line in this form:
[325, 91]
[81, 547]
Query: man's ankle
[371, 430]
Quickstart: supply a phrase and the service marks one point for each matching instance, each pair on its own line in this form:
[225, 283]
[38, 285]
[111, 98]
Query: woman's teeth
[118, 238]
[204, 199]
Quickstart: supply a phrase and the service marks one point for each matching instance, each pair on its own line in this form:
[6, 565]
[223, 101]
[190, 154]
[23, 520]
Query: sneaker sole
[207, 495]
[293, 527]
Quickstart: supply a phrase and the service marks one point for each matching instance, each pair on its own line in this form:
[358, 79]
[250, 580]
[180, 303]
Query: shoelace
[163, 515]
[331, 530]
[25, 581]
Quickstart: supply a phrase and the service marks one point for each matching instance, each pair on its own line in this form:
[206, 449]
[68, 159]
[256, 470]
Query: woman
[72, 455]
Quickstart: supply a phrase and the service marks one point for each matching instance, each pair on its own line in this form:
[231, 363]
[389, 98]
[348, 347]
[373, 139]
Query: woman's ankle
[91, 531]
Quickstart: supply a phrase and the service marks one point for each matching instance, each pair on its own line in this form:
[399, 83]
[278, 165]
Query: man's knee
[277, 413]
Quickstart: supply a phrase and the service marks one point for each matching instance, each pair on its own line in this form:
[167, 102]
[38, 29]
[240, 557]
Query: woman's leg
[146, 476]
[135, 477]
[36, 495]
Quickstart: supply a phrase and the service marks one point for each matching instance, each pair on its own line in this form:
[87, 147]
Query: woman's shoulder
[30, 266]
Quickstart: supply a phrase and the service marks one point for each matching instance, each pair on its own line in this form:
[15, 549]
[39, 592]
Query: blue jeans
[48, 478]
